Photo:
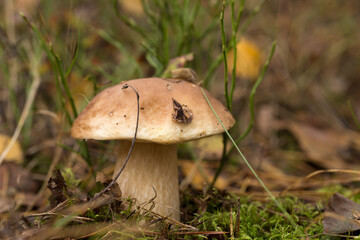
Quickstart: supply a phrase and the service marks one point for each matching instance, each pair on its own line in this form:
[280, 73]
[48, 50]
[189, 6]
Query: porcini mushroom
[171, 111]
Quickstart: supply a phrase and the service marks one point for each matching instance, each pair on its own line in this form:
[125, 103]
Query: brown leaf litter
[341, 215]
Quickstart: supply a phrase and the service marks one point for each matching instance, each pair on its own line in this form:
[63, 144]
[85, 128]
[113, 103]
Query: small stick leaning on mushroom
[171, 111]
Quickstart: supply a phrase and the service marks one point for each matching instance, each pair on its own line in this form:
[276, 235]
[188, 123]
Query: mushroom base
[151, 171]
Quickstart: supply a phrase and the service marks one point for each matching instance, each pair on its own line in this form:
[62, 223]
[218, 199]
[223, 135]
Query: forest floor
[294, 96]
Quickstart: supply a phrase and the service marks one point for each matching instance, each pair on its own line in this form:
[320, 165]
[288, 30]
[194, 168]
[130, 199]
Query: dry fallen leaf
[6, 205]
[209, 148]
[58, 188]
[199, 176]
[13, 176]
[341, 215]
[82, 89]
[15, 154]
[249, 59]
[328, 148]
[133, 7]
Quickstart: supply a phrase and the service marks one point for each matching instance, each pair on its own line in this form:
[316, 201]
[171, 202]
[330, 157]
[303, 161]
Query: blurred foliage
[15, 153]
[250, 59]
[302, 120]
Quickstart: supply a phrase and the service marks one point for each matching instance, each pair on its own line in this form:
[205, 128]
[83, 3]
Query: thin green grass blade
[224, 53]
[58, 71]
[357, 122]
[233, 41]
[254, 12]
[209, 29]
[132, 24]
[151, 16]
[213, 66]
[153, 58]
[240, 12]
[64, 83]
[229, 96]
[219, 58]
[223, 161]
[68, 71]
[273, 198]
[55, 60]
[47, 48]
[225, 155]
[106, 36]
[129, 22]
[164, 28]
[252, 95]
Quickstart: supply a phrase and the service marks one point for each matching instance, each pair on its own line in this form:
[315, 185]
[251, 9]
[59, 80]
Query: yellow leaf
[133, 6]
[199, 180]
[82, 90]
[15, 154]
[249, 59]
[209, 148]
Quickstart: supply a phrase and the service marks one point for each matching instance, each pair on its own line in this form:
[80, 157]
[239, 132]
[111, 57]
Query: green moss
[262, 220]
[70, 179]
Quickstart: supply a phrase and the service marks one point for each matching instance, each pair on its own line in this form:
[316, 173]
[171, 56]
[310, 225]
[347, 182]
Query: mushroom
[171, 111]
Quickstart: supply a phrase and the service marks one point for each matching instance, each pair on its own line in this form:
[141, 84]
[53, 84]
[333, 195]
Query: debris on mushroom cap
[182, 113]
[186, 74]
[160, 118]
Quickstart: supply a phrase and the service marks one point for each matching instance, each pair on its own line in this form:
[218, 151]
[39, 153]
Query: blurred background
[56, 55]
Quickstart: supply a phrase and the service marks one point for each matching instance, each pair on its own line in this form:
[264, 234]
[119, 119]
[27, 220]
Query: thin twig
[315, 173]
[131, 147]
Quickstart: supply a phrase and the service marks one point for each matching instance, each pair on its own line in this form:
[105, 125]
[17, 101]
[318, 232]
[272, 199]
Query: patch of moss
[258, 220]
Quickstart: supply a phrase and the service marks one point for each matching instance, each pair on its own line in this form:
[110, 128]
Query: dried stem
[130, 150]
[34, 63]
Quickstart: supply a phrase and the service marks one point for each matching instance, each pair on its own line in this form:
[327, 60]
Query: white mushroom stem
[151, 167]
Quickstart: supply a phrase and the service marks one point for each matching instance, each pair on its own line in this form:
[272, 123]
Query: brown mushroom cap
[171, 111]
